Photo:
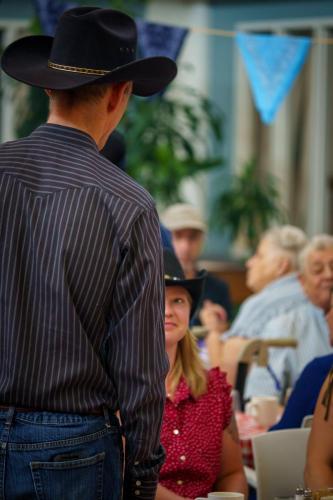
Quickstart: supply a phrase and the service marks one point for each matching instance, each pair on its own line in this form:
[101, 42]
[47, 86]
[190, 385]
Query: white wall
[194, 53]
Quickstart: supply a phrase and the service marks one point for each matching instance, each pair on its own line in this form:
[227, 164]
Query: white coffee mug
[236, 402]
[217, 495]
[265, 409]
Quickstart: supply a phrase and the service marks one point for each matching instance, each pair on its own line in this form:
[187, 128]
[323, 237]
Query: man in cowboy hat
[81, 292]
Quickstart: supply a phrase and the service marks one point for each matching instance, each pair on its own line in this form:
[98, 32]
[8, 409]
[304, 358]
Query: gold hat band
[75, 69]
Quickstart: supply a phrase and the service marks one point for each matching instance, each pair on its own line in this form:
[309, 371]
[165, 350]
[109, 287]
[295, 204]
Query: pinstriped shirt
[81, 291]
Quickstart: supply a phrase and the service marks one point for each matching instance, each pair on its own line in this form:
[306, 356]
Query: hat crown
[94, 38]
[174, 276]
[91, 45]
[172, 267]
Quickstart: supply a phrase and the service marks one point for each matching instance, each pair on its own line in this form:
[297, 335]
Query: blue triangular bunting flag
[159, 39]
[49, 11]
[272, 63]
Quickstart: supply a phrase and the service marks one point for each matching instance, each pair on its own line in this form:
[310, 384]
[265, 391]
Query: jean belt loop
[8, 422]
[107, 417]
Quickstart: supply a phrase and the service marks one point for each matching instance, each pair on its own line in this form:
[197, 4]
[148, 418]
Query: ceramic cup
[265, 409]
[217, 495]
[236, 402]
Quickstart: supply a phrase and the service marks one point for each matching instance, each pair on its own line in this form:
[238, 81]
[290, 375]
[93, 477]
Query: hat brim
[186, 224]
[26, 60]
[194, 287]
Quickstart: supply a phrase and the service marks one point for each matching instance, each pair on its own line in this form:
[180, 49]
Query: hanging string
[323, 41]
[212, 31]
[231, 34]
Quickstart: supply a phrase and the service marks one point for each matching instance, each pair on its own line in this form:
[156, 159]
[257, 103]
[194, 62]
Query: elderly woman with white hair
[279, 308]
[316, 270]
[316, 276]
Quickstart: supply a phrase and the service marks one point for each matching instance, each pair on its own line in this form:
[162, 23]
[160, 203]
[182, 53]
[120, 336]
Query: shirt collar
[281, 282]
[65, 134]
[182, 392]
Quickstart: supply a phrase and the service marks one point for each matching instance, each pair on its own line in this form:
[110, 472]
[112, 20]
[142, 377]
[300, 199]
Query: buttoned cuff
[141, 477]
[143, 489]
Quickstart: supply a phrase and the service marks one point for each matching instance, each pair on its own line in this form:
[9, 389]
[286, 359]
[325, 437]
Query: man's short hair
[287, 240]
[183, 216]
[85, 94]
[318, 242]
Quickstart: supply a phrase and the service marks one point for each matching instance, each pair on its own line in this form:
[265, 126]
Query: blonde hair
[189, 366]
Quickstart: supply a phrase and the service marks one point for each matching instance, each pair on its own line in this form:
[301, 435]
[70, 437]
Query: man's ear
[118, 92]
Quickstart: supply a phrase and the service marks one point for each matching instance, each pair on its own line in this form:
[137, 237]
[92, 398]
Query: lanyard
[277, 384]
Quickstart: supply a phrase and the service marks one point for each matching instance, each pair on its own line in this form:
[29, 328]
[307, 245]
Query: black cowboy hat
[91, 45]
[174, 276]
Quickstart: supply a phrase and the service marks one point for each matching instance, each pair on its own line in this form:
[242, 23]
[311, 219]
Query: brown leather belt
[98, 411]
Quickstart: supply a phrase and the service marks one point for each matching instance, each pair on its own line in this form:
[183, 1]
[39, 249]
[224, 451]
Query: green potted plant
[249, 206]
[167, 140]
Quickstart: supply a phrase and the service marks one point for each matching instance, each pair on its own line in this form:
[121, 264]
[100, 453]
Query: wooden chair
[254, 351]
[281, 342]
[239, 353]
[238, 350]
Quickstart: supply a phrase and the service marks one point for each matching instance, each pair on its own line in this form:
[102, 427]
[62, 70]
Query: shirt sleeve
[220, 389]
[241, 325]
[303, 398]
[226, 391]
[137, 358]
[299, 402]
[269, 381]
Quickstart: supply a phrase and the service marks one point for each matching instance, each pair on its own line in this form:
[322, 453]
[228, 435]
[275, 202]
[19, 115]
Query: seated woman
[199, 432]
[319, 464]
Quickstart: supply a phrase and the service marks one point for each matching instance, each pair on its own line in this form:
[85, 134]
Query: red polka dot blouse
[192, 436]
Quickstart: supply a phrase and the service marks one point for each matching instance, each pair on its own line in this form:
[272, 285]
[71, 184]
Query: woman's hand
[213, 317]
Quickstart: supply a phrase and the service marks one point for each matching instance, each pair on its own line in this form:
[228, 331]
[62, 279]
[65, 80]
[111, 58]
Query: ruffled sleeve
[221, 389]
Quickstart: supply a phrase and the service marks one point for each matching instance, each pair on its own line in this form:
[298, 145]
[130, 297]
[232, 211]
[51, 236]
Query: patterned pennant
[159, 39]
[272, 63]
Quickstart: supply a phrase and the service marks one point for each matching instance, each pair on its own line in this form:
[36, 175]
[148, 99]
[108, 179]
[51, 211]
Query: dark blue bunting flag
[49, 11]
[159, 39]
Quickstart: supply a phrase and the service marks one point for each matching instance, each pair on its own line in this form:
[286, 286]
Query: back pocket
[76, 479]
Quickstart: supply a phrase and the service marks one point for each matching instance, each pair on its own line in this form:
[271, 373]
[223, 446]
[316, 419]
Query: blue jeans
[59, 456]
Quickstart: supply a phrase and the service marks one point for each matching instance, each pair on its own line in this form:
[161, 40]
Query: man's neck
[67, 123]
[94, 126]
